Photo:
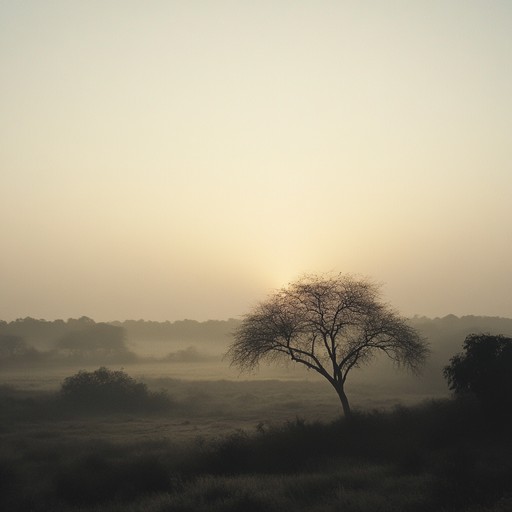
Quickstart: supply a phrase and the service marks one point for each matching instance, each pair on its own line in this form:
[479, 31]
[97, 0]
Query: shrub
[107, 390]
[484, 370]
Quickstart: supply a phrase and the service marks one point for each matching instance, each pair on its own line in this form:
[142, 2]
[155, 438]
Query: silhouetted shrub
[484, 369]
[107, 390]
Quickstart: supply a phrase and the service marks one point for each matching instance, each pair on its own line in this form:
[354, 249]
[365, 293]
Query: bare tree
[330, 325]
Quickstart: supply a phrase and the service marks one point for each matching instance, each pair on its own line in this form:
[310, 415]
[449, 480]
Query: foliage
[484, 369]
[108, 390]
[330, 325]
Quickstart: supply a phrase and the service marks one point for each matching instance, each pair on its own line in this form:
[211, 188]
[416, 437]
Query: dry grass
[227, 446]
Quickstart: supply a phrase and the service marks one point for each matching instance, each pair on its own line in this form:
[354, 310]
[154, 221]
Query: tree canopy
[328, 324]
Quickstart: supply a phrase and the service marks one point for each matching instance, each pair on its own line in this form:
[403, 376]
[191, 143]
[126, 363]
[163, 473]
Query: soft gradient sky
[180, 159]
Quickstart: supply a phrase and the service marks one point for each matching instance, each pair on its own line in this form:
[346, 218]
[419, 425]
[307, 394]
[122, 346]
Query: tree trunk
[344, 401]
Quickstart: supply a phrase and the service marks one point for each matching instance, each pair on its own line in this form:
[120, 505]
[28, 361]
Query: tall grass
[442, 456]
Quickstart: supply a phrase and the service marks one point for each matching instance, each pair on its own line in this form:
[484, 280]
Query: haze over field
[169, 160]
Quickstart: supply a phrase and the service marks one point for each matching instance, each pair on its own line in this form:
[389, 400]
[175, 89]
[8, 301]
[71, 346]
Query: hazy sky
[180, 159]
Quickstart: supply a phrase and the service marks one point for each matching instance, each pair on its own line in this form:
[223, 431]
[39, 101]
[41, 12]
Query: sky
[183, 159]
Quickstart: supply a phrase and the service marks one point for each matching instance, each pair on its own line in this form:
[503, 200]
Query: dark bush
[484, 370]
[107, 390]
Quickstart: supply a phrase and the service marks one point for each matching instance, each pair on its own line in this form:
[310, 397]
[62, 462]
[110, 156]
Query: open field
[436, 456]
[221, 409]
[254, 444]
[208, 407]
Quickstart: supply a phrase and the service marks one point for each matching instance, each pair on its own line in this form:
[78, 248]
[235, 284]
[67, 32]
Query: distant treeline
[210, 331]
[83, 340]
[447, 334]
[89, 343]
[43, 334]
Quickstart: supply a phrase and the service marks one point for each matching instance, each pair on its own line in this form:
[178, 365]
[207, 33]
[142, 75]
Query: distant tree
[109, 390]
[95, 342]
[40, 334]
[80, 323]
[483, 369]
[14, 349]
[330, 325]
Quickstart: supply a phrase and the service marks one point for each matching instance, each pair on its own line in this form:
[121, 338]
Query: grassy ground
[440, 455]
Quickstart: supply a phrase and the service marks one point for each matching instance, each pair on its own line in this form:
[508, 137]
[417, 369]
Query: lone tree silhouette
[328, 324]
